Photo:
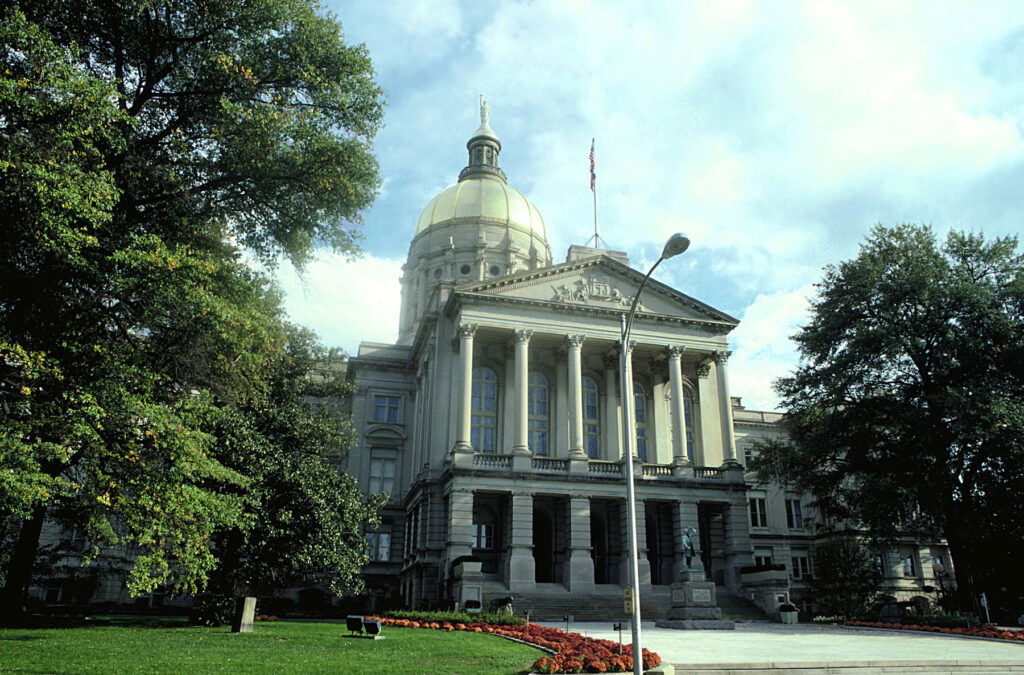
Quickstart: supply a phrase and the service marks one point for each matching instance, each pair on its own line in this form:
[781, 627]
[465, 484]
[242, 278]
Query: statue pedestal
[693, 605]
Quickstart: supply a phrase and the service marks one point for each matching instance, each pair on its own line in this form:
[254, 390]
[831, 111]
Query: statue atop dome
[485, 112]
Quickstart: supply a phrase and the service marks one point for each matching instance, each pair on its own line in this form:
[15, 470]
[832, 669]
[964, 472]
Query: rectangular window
[385, 408]
[762, 557]
[909, 568]
[382, 475]
[483, 536]
[758, 512]
[794, 514]
[378, 546]
[801, 567]
[879, 562]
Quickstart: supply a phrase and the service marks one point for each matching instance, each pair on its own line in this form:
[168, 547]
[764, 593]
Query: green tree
[906, 413]
[307, 517]
[846, 577]
[140, 144]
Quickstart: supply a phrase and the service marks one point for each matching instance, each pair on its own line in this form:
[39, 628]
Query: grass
[133, 646]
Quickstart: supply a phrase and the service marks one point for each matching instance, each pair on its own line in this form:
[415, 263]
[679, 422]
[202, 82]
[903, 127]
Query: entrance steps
[551, 602]
[738, 608]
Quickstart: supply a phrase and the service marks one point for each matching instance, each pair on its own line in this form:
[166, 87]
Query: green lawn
[131, 646]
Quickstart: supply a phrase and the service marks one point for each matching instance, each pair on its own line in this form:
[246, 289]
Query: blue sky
[775, 134]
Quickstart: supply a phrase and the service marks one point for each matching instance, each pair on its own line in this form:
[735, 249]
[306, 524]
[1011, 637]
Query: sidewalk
[821, 647]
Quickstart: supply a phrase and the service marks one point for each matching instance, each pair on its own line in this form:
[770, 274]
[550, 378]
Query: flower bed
[974, 631]
[569, 652]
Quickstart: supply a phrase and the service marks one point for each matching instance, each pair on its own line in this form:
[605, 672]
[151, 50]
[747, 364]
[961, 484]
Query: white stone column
[581, 563]
[610, 434]
[522, 392]
[725, 407]
[706, 411]
[521, 572]
[466, 332]
[643, 564]
[460, 523]
[675, 380]
[574, 343]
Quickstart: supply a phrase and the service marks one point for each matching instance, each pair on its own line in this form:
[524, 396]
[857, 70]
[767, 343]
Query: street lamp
[676, 244]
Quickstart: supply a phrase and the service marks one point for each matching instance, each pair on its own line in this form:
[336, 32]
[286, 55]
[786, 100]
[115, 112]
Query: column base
[520, 450]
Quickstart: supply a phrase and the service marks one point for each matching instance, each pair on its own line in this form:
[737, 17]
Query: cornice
[460, 297]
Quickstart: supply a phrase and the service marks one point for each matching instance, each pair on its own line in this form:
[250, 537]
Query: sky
[774, 134]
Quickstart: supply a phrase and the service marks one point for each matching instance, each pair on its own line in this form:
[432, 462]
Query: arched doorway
[543, 546]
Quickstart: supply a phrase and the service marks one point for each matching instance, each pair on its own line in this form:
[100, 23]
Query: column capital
[467, 330]
[575, 341]
[721, 356]
[610, 359]
[522, 335]
[674, 352]
[704, 369]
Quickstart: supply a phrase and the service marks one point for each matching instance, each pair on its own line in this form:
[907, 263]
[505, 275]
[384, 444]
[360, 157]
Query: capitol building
[494, 425]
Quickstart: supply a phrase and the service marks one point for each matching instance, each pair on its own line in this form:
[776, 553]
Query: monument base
[693, 605]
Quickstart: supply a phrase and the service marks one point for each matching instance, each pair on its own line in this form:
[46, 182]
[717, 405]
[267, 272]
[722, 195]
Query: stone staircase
[551, 602]
[738, 608]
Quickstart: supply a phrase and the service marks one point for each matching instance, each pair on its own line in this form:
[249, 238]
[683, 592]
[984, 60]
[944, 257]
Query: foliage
[493, 618]
[307, 517]
[846, 579]
[212, 609]
[140, 144]
[569, 652]
[907, 411]
[989, 632]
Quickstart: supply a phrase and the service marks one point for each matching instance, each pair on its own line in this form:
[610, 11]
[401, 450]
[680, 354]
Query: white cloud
[345, 302]
[761, 347]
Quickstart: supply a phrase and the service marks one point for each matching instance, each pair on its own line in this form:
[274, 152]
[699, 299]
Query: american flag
[593, 174]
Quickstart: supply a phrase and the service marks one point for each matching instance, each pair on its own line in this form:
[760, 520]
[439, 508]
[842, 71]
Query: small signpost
[627, 599]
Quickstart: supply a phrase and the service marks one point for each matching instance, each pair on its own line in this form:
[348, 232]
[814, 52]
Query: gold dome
[483, 199]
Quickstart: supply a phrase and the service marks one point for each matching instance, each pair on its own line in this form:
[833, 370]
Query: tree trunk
[14, 596]
[963, 566]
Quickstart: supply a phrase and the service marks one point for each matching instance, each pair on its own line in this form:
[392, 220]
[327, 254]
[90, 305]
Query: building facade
[494, 424]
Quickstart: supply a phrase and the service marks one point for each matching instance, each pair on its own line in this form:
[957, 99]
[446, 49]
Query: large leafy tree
[906, 414]
[143, 146]
[846, 578]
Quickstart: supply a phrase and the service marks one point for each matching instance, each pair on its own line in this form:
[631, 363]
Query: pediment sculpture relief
[593, 289]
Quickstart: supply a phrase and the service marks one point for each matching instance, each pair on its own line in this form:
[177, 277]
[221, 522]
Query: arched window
[539, 410]
[688, 416]
[591, 419]
[483, 434]
[640, 415]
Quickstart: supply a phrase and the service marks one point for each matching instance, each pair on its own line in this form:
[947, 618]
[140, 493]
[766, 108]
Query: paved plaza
[815, 648]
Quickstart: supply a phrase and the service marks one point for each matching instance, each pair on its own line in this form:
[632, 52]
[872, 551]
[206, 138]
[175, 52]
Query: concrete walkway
[814, 648]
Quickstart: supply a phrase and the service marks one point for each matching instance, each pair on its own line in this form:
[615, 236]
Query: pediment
[597, 283]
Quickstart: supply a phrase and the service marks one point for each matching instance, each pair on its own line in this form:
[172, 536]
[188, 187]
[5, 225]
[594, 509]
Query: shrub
[212, 609]
[457, 617]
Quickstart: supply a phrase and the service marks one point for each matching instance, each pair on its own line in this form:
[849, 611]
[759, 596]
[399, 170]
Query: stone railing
[488, 461]
[711, 472]
[550, 464]
[655, 470]
[603, 467]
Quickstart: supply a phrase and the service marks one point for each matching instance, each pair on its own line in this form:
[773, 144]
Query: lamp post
[676, 244]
